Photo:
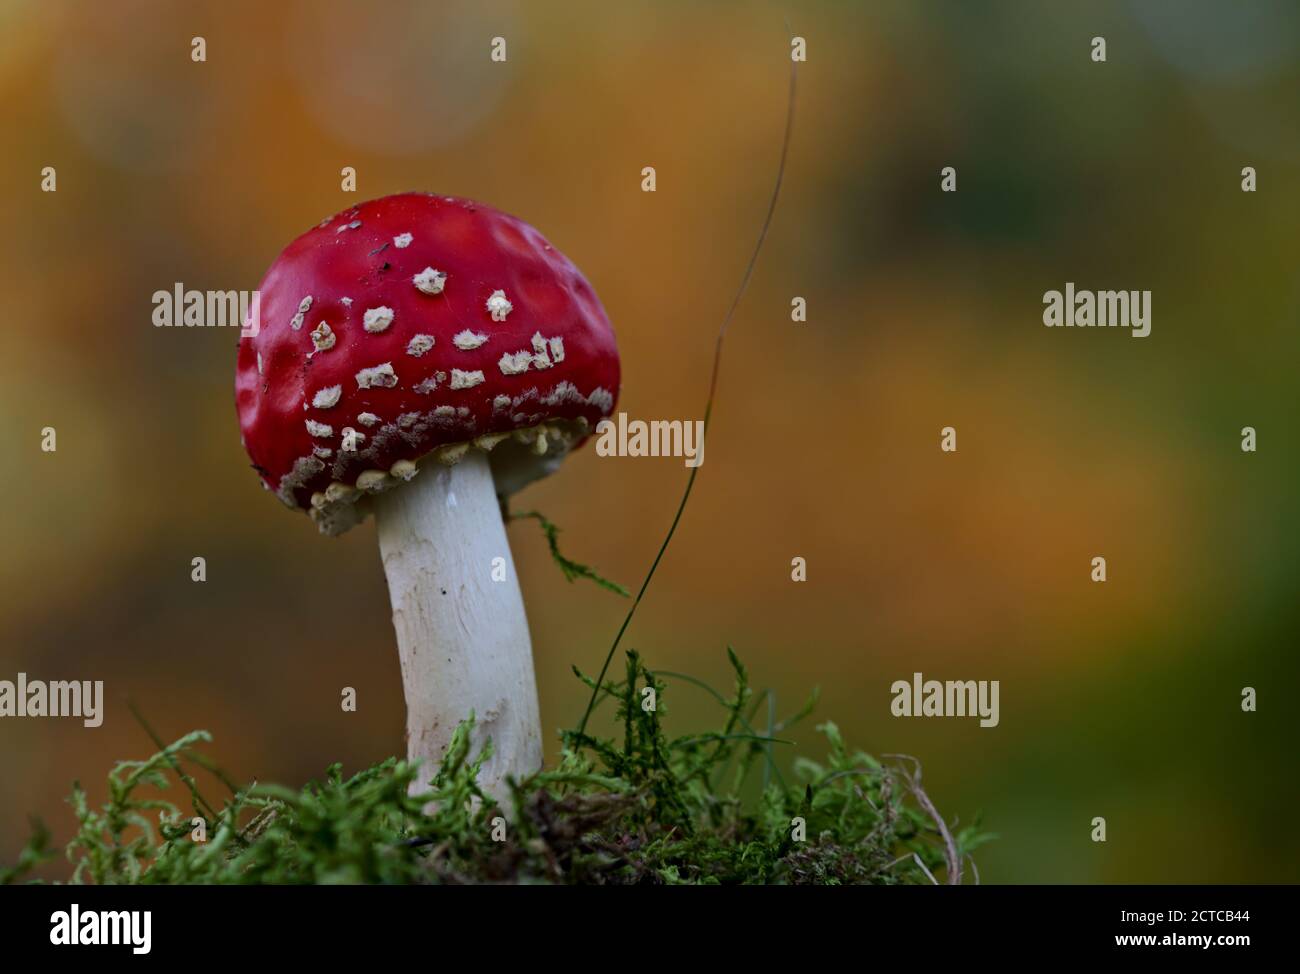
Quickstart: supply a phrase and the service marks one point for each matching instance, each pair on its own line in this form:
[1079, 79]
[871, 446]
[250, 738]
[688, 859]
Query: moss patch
[639, 807]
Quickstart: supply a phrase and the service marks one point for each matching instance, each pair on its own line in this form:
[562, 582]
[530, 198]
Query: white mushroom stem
[463, 637]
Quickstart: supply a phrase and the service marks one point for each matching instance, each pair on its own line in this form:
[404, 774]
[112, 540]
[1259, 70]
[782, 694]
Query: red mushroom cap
[411, 327]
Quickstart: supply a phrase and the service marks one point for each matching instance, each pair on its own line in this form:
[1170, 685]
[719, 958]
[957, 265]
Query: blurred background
[924, 310]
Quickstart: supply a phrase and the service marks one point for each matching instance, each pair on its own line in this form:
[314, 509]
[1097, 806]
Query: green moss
[646, 808]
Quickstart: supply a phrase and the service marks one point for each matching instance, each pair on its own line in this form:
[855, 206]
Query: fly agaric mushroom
[419, 357]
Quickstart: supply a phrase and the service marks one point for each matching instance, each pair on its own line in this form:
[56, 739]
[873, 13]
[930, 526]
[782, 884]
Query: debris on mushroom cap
[337, 492]
[466, 340]
[470, 332]
[404, 469]
[378, 319]
[327, 397]
[515, 363]
[419, 344]
[499, 305]
[377, 376]
[430, 281]
[465, 380]
[322, 336]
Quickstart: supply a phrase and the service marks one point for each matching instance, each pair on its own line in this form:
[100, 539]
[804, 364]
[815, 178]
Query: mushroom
[459, 367]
